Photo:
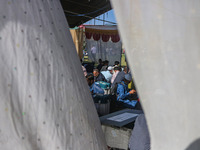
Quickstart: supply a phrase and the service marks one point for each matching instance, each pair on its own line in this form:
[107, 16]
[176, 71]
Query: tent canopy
[79, 11]
[103, 42]
[102, 32]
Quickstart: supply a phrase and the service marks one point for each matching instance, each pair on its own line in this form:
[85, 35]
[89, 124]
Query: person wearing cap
[108, 74]
[123, 94]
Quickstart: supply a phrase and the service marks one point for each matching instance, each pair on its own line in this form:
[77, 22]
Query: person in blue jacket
[94, 87]
[123, 95]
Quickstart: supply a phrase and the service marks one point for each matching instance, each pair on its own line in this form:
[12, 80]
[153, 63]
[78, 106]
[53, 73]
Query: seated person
[125, 96]
[119, 77]
[115, 73]
[94, 88]
[98, 76]
[108, 74]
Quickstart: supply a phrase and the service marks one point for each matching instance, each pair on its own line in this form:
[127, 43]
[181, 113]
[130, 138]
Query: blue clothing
[96, 89]
[123, 94]
[107, 75]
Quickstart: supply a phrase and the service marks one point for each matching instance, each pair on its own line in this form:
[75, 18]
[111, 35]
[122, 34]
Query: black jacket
[100, 77]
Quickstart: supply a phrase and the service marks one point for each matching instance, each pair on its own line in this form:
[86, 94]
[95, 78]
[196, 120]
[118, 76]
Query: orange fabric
[77, 36]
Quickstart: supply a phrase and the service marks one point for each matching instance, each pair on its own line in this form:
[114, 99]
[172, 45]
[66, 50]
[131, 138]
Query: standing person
[100, 64]
[105, 65]
[98, 76]
[93, 51]
[94, 88]
[108, 74]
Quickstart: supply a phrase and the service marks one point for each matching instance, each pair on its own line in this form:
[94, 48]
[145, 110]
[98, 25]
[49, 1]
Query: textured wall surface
[161, 38]
[45, 102]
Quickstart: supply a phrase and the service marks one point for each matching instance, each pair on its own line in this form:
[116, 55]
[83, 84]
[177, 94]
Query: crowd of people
[122, 87]
[124, 95]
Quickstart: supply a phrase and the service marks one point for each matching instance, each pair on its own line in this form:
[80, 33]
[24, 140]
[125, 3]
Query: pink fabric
[114, 76]
[84, 71]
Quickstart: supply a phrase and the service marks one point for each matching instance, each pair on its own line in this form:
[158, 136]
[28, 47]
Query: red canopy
[102, 32]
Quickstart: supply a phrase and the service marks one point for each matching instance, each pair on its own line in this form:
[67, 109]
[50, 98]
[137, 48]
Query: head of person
[110, 69]
[90, 79]
[127, 78]
[105, 63]
[96, 72]
[116, 68]
[116, 63]
[125, 70]
[100, 61]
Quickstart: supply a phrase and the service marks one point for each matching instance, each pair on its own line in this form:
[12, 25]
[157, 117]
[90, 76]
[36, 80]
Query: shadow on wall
[195, 145]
